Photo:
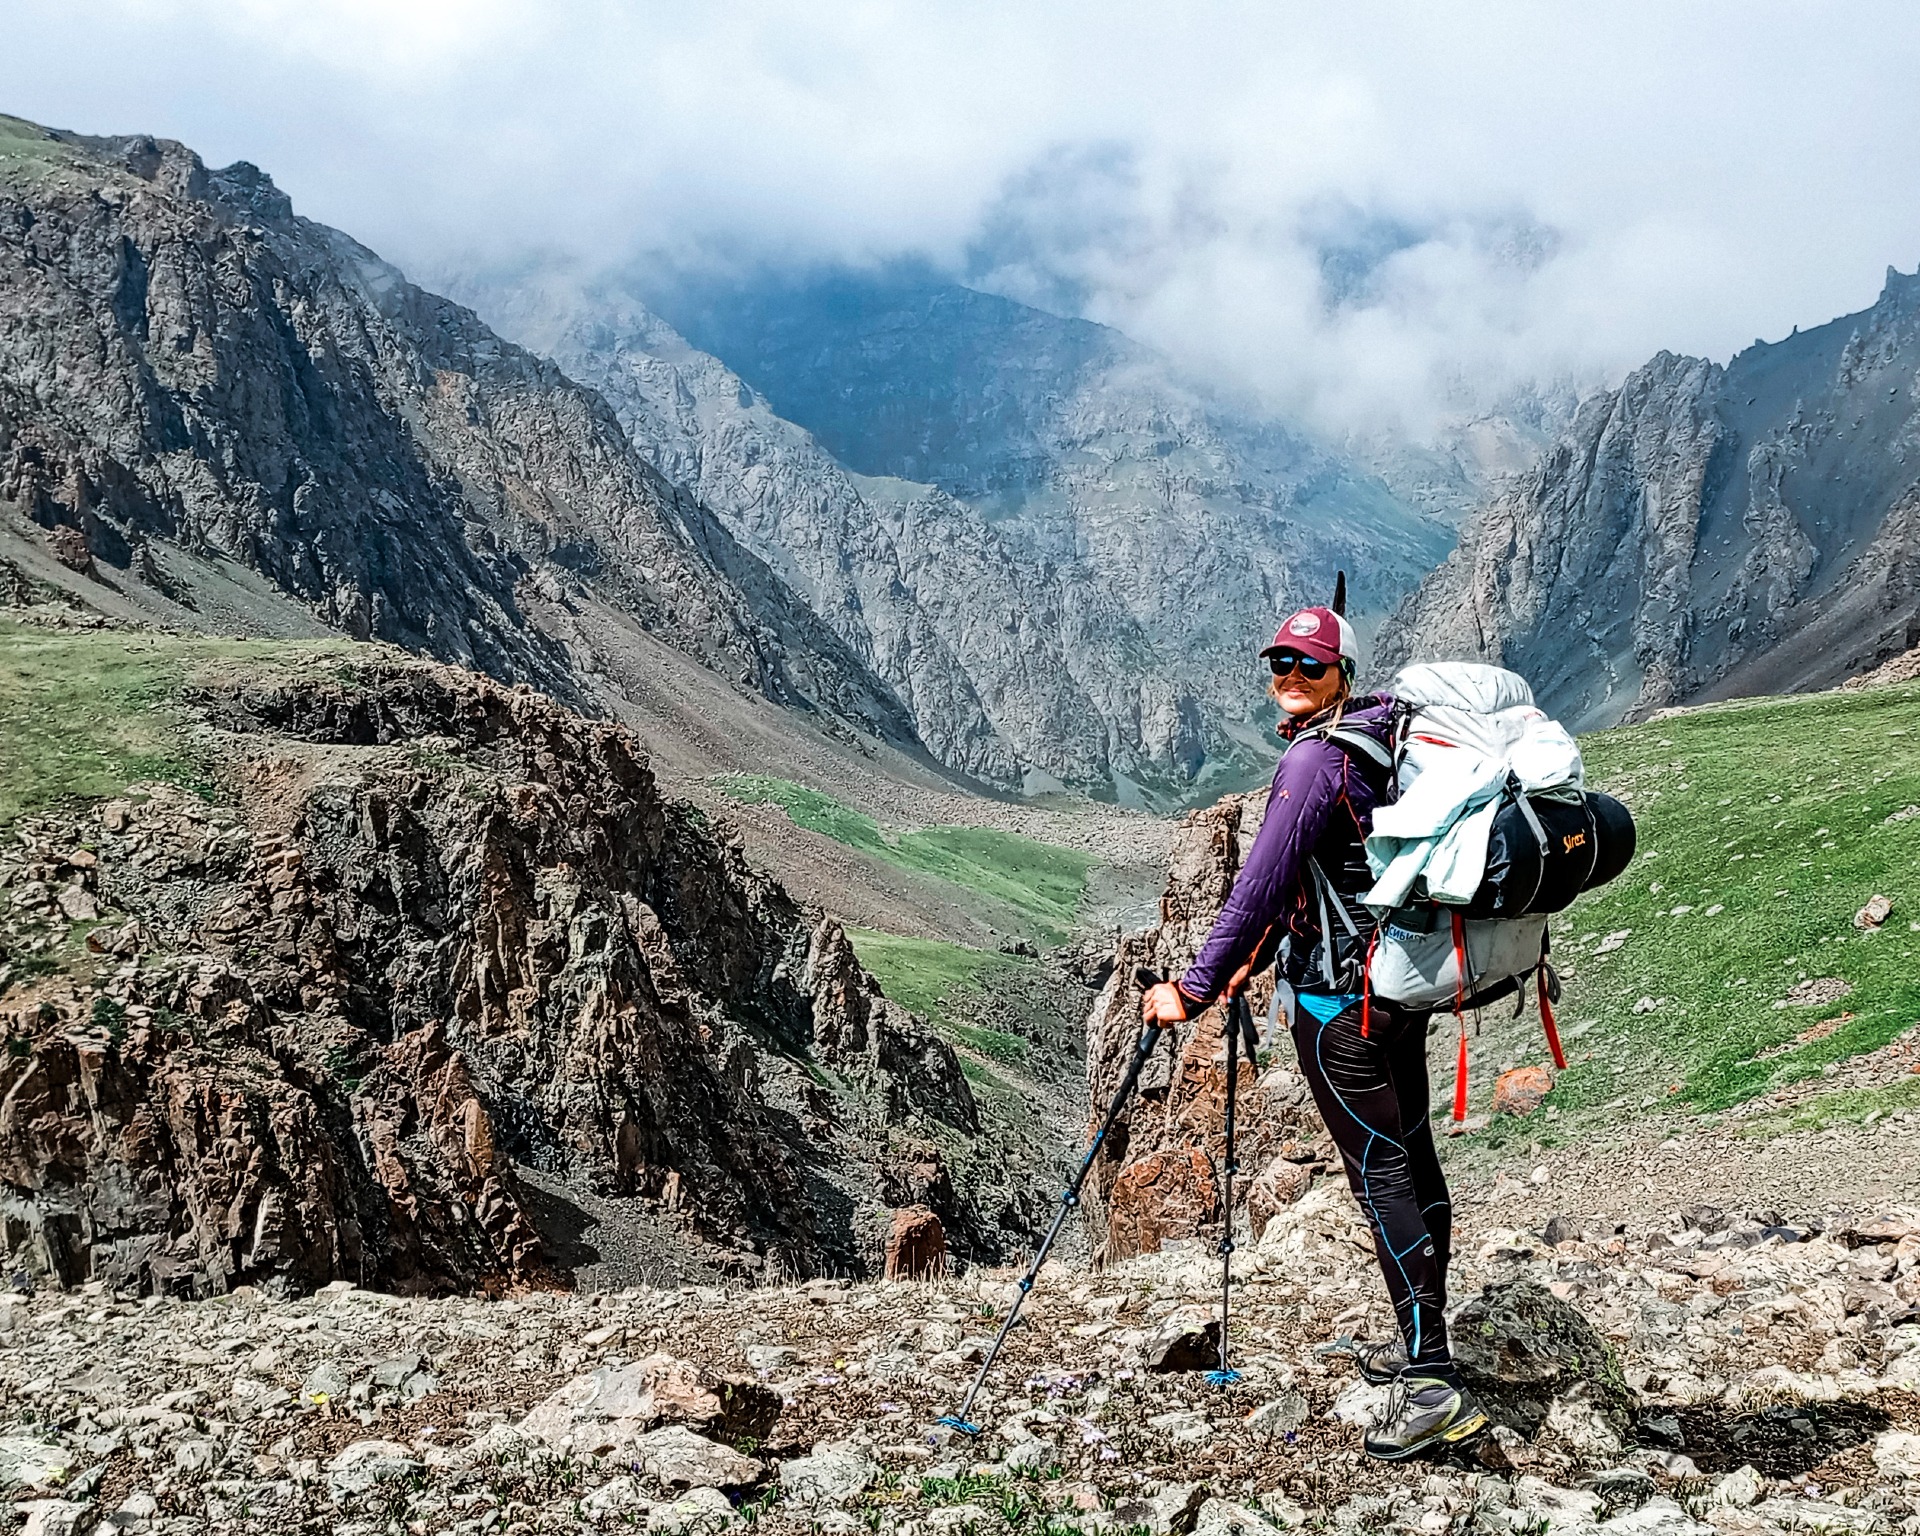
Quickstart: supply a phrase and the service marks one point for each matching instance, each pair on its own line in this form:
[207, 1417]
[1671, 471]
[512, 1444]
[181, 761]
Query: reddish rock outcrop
[438, 927]
[1157, 1177]
[917, 1245]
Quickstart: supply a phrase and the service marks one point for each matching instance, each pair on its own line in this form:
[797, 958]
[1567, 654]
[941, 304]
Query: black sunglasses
[1289, 661]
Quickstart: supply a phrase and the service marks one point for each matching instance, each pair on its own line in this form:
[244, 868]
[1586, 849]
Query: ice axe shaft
[1069, 1198]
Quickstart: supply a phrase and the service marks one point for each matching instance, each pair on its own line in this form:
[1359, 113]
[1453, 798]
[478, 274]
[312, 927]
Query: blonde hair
[1339, 704]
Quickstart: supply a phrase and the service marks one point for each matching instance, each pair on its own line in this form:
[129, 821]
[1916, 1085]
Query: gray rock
[1173, 1509]
[25, 1460]
[832, 1477]
[361, 1465]
[770, 1357]
[1223, 1517]
[1186, 1340]
[1038, 1454]
[677, 1457]
[699, 1509]
[1659, 1516]
[1520, 1347]
[327, 1381]
[611, 1407]
[1279, 1417]
[393, 1373]
[53, 1517]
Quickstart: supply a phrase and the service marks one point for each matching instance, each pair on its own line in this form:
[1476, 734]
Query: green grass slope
[1036, 887]
[1765, 825]
[84, 713]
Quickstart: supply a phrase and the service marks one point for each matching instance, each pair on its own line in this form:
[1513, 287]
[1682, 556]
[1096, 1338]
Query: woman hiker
[1366, 1061]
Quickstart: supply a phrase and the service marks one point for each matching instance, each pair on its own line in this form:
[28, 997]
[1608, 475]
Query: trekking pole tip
[1224, 1378]
[951, 1421]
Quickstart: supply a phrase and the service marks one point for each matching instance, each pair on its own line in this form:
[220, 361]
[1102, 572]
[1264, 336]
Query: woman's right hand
[1164, 1003]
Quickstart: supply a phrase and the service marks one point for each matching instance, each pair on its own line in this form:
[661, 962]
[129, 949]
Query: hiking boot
[1423, 1414]
[1382, 1362]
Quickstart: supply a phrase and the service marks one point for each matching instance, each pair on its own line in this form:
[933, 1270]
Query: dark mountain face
[185, 363]
[1704, 531]
[905, 374]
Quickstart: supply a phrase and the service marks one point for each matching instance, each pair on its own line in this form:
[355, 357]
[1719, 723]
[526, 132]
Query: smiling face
[1300, 695]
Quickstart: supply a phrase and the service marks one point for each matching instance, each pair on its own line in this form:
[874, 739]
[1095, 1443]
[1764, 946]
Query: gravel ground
[1784, 1362]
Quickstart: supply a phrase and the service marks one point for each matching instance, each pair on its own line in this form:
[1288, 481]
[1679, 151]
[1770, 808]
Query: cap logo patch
[1304, 624]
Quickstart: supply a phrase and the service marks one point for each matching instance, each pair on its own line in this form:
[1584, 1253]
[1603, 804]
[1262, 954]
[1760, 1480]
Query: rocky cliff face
[1056, 554]
[429, 932]
[1703, 531]
[185, 363]
[1159, 1177]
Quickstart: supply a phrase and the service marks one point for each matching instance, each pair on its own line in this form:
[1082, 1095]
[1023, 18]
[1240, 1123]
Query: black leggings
[1372, 1092]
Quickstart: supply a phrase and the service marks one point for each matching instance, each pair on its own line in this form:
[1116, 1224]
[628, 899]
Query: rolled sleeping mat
[1614, 833]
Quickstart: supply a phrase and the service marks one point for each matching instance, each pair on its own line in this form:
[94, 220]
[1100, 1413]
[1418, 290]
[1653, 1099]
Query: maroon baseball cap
[1319, 633]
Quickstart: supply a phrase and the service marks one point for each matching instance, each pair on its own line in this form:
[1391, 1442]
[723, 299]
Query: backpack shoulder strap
[1361, 742]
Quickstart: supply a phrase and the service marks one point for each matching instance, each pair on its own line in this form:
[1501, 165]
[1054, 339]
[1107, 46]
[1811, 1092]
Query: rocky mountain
[424, 984]
[1050, 547]
[1703, 531]
[189, 372]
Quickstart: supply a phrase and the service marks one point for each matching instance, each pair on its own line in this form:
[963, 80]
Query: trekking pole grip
[1145, 979]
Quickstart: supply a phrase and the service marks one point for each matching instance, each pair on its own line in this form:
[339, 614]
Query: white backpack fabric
[1467, 733]
[1469, 728]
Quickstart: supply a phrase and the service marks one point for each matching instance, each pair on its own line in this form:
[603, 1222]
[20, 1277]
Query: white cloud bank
[1368, 211]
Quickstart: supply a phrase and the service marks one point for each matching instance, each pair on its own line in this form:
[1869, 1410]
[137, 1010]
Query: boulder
[1521, 1090]
[1520, 1347]
[678, 1458]
[1187, 1340]
[831, 1478]
[917, 1245]
[1167, 1195]
[612, 1407]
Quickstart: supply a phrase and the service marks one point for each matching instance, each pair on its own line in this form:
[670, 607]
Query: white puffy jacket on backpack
[1477, 765]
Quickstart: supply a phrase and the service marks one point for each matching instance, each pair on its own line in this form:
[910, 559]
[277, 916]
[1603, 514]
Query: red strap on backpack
[1546, 1020]
[1460, 1013]
[1366, 987]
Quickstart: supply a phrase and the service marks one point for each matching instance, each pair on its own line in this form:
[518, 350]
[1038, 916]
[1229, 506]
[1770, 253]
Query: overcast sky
[1365, 210]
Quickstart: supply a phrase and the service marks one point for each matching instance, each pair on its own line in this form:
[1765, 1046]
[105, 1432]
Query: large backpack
[1488, 830]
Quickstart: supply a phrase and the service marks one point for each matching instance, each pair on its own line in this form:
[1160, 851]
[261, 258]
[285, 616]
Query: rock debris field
[1711, 1372]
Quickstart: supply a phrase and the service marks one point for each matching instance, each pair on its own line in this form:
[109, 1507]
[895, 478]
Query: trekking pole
[1239, 1024]
[1069, 1198]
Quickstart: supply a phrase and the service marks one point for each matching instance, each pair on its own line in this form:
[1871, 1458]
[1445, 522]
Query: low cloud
[1373, 214]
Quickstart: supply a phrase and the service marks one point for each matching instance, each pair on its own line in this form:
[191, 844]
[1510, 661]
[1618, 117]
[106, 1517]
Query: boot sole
[1453, 1434]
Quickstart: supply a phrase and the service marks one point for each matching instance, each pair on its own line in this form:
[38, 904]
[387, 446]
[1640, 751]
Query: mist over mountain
[1059, 553]
[1704, 531]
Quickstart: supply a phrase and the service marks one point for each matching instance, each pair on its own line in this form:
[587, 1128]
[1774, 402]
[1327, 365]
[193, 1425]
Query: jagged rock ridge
[1703, 532]
[432, 931]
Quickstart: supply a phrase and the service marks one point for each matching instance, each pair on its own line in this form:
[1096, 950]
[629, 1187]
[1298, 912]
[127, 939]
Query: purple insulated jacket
[1321, 806]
